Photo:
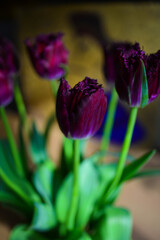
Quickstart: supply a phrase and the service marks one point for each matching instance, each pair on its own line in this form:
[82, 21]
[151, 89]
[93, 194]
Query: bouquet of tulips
[73, 200]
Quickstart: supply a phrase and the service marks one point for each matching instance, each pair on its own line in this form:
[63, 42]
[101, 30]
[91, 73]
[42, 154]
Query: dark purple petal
[111, 60]
[6, 90]
[131, 74]
[62, 103]
[47, 54]
[8, 57]
[153, 75]
[135, 88]
[80, 110]
[9, 67]
[130, 58]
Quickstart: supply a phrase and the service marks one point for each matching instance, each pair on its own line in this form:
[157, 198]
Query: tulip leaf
[17, 184]
[106, 174]
[10, 199]
[93, 180]
[144, 89]
[87, 194]
[100, 154]
[116, 224]
[88, 189]
[43, 180]
[84, 236]
[147, 173]
[64, 192]
[37, 146]
[44, 217]
[131, 169]
[22, 232]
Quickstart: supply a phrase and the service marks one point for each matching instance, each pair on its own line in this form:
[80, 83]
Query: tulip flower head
[80, 110]
[110, 60]
[9, 67]
[48, 55]
[139, 76]
[6, 90]
[8, 58]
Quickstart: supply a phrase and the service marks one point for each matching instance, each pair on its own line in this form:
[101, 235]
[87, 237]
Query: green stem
[75, 192]
[54, 87]
[68, 150]
[109, 121]
[124, 151]
[20, 103]
[12, 143]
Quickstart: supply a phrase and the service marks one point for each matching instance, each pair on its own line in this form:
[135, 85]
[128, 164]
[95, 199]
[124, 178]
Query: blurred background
[86, 25]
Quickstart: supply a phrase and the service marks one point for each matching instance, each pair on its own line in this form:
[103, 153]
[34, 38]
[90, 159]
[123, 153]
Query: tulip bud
[110, 60]
[8, 58]
[6, 90]
[139, 76]
[48, 55]
[80, 110]
[9, 67]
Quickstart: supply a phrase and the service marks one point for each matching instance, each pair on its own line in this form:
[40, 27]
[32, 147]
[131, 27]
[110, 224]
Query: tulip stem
[109, 121]
[124, 151]
[20, 103]
[75, 191]
[12, 143]
[54, 87]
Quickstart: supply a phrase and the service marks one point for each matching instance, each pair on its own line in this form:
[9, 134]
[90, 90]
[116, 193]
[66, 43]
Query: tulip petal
[62, 107]
[80, 110]
[47, 54]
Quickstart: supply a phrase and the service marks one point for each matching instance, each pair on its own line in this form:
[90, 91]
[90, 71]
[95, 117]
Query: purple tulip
[48, 55]
[110, 60]
[138, 82]
[6, 89]
[152, 64]
[80, 110]
[9, 67]
[8, 58]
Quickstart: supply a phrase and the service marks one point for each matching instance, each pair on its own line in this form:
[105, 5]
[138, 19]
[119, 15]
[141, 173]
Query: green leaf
[8, 198]
[88, 189]
[106, 175]
[22, 232]
[17, 184]
[87, 194]
[95, 157]
[50, 121]
[44, 217]
[93, 180]
[37, 146]
[84, 236]
[132, 168]
[144, 90]
[64, 196]
[147, 173]
[116, 224]
[43, 180]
